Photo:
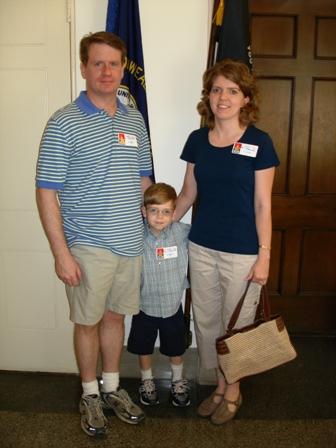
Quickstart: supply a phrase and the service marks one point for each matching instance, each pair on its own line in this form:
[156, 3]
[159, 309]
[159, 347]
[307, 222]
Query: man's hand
[68, 270]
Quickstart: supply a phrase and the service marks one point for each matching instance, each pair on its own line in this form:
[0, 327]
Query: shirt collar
[86, 105]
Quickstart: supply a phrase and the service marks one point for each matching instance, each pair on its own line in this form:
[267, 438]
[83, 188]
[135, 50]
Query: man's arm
[66, 267]
[145, 183]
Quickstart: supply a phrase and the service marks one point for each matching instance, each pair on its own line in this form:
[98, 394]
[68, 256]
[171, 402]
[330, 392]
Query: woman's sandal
[223, 414]
[209, 406]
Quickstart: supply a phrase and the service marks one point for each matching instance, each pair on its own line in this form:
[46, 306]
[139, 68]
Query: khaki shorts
[217, 283]
[109, 282]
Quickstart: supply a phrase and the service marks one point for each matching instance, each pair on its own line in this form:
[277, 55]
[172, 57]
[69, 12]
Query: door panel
[35, 333]
[294, 51]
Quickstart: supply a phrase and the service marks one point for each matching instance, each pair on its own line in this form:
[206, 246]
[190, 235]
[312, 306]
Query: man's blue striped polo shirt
[95, 162]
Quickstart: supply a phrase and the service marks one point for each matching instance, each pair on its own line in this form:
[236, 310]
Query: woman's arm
[188, 194]
[263, 215]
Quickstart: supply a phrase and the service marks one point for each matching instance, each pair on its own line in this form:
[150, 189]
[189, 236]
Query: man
[94, 163]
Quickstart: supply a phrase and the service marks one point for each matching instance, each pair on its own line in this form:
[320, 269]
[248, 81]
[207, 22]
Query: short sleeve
[185, 228]
[182, 230]
[146, 168]
[189, 150]
[53, 159]
[267, 156]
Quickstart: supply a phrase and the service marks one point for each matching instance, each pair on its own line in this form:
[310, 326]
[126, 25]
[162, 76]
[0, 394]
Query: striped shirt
[95, 162]
[164, 279]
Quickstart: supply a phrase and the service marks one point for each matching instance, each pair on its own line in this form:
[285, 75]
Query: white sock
[110, 381]
[146, 374]
[177, 370]
[90, 388]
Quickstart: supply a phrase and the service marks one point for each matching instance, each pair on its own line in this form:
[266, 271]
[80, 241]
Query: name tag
[127, 139]
[164, 253]
[245, 149]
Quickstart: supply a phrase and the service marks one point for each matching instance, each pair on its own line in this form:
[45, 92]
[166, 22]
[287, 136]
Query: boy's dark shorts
[144, 331]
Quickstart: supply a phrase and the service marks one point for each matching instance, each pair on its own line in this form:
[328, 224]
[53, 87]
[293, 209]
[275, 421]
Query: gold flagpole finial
[218, 18]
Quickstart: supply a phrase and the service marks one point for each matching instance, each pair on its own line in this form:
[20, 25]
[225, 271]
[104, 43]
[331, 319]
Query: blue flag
[123, 19]
[234, 32]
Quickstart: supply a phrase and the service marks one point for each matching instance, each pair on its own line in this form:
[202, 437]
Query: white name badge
[245, 149]
[166, 252]
[127, 139]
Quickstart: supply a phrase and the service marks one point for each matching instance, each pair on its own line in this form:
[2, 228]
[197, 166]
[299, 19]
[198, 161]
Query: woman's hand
[260, 270]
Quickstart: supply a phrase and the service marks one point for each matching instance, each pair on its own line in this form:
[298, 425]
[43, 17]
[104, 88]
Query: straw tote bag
[258, 347]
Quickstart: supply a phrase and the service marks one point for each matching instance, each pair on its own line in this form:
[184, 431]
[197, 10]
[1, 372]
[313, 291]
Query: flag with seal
[123, 19]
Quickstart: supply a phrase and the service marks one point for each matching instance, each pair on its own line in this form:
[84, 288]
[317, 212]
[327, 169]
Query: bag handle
[263, 307]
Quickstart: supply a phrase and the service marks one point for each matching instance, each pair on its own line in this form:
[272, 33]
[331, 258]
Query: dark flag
[123, 19]
[234, 32]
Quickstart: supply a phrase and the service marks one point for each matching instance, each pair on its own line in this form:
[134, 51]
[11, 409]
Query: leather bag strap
[264, 307]
[237, 310]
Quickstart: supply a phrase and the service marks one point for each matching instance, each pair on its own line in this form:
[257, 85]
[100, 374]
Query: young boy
[163, 282]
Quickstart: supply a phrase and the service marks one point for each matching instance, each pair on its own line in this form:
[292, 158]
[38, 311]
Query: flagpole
[213, 34]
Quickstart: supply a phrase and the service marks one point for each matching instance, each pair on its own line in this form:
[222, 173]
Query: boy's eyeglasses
[156, 211]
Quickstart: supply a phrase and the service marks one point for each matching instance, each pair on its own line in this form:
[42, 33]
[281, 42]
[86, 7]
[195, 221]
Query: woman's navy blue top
[225, 218]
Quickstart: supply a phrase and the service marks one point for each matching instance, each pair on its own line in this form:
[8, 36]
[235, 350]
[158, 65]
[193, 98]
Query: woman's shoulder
[253, 130]
[257, 136]
[267, 155]
[199, 133]
[194, 144]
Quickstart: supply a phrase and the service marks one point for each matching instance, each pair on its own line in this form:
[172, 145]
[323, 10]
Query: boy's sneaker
[124, 408]
[180, 393]
[93, 421]
[147, 392]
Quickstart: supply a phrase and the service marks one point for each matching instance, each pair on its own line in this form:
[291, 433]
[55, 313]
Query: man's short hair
[101, 37]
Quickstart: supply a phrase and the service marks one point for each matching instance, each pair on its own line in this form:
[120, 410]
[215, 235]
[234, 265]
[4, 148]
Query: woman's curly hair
[239, 73]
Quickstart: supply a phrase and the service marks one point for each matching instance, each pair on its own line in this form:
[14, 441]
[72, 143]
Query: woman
[230, 168]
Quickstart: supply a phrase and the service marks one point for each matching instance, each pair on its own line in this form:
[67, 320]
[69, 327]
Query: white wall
[175, 45]
[175, 50]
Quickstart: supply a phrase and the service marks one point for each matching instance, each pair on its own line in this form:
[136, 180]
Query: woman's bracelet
[262, 246]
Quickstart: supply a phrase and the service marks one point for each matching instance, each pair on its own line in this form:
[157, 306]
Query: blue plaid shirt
[164, 279]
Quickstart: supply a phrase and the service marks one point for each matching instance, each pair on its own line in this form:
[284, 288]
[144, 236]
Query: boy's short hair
[159, 193]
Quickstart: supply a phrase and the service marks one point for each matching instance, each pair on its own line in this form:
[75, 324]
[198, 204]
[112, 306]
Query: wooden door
[294, 51]
[35, 333]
